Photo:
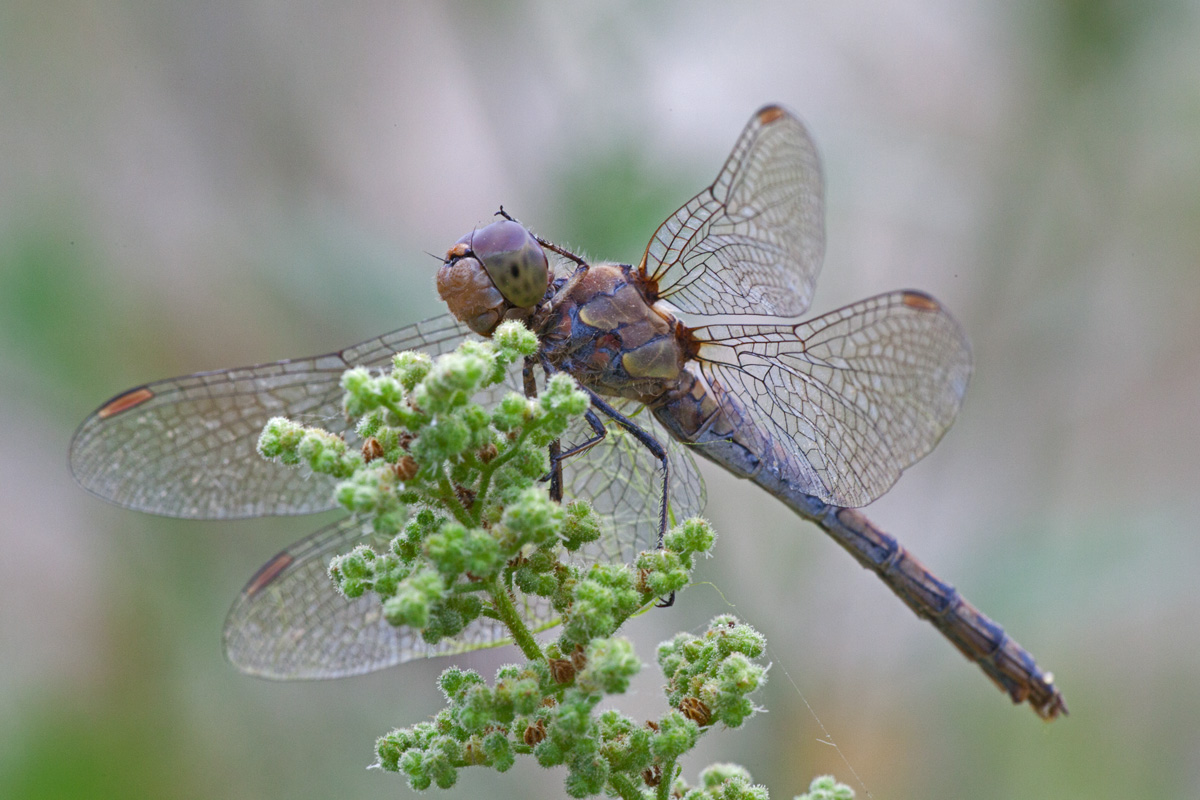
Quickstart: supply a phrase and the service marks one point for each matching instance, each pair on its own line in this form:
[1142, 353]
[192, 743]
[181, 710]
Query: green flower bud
[279, 439]
[693, 536]
[826, 788]
[514, 341]
[454, 682]
[581, 526]
[499, 751]
[676, 735]
[533, 518]
[611, 664]
[730, 782]
[411, 367]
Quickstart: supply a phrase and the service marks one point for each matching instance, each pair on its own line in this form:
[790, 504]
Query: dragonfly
[698, 350]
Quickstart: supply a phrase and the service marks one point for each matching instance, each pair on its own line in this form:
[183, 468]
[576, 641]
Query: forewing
[753, 241]
[185, 447]
[851, 398]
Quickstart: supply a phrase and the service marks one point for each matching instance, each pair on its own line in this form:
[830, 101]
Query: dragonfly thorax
[605, 332]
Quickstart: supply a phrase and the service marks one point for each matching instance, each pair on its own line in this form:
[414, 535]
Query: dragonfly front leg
[557, 456]
[658, 451]
[650, 443]
[645, 439]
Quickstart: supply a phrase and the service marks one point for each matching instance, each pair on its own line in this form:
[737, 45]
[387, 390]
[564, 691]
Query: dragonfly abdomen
[700, 412]
[703, 414]
[1010, 666]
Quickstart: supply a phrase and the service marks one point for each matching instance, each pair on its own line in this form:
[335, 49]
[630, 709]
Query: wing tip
[267, 574]
[920, 300]
[125, 401]
[770, 113]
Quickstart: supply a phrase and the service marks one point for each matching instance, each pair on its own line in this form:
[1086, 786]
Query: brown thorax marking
[609, 302]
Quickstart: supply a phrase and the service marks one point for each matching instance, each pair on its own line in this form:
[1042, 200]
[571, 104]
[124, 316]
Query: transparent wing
[290, 622]
[185, 447]
[752, 243]
[848, 400]
[623, 482]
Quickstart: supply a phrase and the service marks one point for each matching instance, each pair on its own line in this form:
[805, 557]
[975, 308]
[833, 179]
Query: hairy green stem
[486, 471]
[506, 612]
[624, 787]
[663, 790]
[449, 499]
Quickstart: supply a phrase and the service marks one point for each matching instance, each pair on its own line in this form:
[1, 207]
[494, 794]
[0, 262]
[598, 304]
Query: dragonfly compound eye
[514, 261]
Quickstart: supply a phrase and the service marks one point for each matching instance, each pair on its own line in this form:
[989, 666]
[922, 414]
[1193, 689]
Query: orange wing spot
[769, 114]
[269, 572]
[920, 301]
[134, 397]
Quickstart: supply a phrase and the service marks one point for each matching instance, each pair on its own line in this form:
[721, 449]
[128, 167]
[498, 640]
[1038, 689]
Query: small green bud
[586, 776]
[279, 439]
[411, 603]
[826, 788]
[693, 536]
[676, 735]
[358, 497]
[514, 341]
[511, 412]
[581, 526]
[712, 776]
[662, 571]
[454, 681]
[389, 748]
[410, 367]
[626, 743]
[611, 664]
[730, 782]
[445, 549]
[533, 518]
[478, 708]
[526, 696]
[499, 751]
[414, 764]
[370, 424]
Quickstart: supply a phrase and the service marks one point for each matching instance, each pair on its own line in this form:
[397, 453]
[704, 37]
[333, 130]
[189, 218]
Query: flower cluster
[458, 488]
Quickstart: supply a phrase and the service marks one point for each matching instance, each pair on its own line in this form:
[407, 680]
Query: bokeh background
[187, 186]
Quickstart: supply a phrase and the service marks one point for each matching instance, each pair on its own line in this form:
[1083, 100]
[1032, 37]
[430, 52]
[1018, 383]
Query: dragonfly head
[493, 273]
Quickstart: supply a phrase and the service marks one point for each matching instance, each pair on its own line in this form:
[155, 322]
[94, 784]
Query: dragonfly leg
[658, 451]
[562, 251]
[597, 428]
[558, 455]
[651, 444]
[529, 384]
[646, 440]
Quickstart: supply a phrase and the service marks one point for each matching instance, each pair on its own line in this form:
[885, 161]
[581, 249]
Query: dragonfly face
[824, 414]
[493, 273]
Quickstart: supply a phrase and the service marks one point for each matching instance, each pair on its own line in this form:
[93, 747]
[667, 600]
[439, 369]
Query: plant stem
[507, 613]
[487, 470]
[663, 790]
[449, 499]
[624, 787]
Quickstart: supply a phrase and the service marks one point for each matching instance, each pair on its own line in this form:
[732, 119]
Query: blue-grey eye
[514, 261]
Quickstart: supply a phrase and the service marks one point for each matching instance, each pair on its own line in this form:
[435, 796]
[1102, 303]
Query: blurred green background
[187, 186]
